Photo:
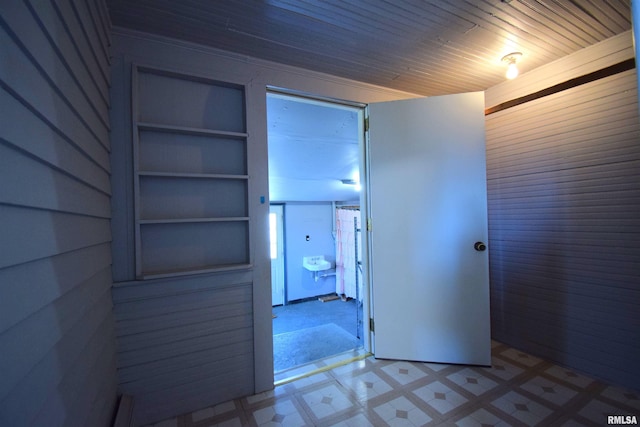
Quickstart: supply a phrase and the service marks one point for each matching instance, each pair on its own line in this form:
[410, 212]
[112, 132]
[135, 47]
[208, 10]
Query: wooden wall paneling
[29, 84]
[56, 321]
[59, 191]
[33, 334]
[159, 318]
[190, 331]
[90, 28]
[159, 306]
[235, 381]
[44, 142]
[183, 330]
[105, 22]
[54, 65]
[608, 52]
[29, 287]
[101, 409]
[599, 98]
[136, 290]
[100, 26]
[135, 328]
[86, 388]
[32, 236]
[234, 367]
[205, 335]
[42, 380]
[177, 370]
[564, 193]
[144, 307]
[97, 66]
[170, 369]
[175, 340]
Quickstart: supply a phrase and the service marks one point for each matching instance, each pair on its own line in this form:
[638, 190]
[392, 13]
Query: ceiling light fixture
[510, 59]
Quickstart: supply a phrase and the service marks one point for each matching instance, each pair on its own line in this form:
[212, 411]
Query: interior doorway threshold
[289, 375]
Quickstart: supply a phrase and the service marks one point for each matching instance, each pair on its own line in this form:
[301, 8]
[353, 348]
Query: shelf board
[188, 130]
[192, 220]
[191, 175]
[187, 272]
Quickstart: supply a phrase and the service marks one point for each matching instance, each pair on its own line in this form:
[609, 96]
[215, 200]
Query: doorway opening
[319, 296]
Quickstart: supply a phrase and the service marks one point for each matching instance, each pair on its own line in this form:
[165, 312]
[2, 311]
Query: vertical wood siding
[56, 321]
[564, 218]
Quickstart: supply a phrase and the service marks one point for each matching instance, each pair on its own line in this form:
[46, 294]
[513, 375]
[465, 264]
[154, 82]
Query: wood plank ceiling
[426, 47]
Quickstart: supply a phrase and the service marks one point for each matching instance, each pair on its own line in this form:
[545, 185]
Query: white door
[427, 187]
[276, 237]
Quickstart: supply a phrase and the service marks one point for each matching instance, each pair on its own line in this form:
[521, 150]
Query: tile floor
[518, 390]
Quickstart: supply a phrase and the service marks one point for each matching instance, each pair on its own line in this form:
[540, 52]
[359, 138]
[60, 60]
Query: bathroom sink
[316, 263]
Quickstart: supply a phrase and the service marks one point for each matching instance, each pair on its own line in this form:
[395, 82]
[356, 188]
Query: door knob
[479, 246]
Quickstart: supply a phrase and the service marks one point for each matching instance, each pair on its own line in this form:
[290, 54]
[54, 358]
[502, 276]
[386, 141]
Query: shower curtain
[346, 268]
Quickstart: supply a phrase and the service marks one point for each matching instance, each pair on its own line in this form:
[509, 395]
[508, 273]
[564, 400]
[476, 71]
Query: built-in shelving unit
[190, 174]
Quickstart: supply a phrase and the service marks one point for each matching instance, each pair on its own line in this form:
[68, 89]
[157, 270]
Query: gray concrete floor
[303, 315]
[296, 316]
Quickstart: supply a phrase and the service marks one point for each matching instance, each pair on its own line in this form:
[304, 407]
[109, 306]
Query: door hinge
[372, 325]
[369, 225]
[366, 124]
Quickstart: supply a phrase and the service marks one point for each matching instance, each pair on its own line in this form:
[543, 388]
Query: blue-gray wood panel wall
[218, 325]
[184, 342]
[58, 357]
[564, 226]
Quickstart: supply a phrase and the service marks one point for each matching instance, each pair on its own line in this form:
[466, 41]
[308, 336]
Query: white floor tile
[401, 412]
[440, 397]
[404, 372]
[549, 390]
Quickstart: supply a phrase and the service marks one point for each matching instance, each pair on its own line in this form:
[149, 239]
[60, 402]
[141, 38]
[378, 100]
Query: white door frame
[278, 276]
[364, 209]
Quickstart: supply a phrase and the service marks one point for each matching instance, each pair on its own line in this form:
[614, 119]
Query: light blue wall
[316, 221]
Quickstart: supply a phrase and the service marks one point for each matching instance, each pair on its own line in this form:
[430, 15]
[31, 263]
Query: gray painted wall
[57, 361]
[184, 342]
[189, 342]
[316, 221]
[564, 216]
[56, 326]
